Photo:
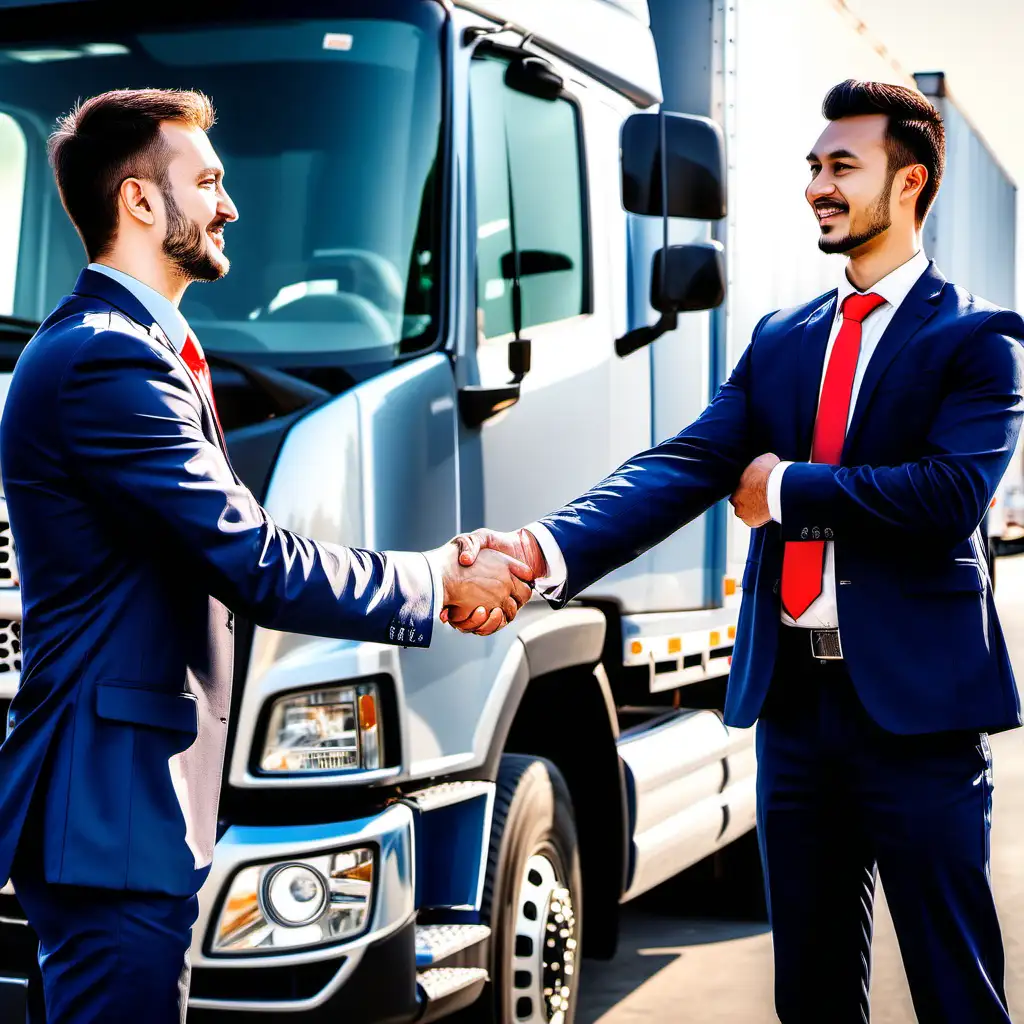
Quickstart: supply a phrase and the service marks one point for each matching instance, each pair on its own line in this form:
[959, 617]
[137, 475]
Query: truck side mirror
[686, 278]
[693, 159]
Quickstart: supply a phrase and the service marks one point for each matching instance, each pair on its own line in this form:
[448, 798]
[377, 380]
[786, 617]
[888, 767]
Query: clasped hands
[487, 578]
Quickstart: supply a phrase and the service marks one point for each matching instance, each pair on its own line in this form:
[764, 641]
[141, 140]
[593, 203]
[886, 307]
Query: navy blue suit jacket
[933, 430]
[134, 539]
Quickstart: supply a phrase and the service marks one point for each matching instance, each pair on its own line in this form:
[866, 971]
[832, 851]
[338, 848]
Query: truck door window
[528, 175]
[13, 151]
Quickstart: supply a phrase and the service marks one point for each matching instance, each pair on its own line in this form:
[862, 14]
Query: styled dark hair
[108, 138]
[915, 133]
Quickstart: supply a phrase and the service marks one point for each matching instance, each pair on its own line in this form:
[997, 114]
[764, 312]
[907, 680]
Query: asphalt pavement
[713, 970]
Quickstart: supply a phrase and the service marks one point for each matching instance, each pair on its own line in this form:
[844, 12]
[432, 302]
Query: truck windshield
[329, 130]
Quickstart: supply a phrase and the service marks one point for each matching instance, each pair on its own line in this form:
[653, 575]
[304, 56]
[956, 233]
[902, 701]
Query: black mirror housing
[686, 278]
[695, 150]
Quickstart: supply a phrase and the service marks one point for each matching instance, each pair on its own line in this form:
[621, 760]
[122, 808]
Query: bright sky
[977, 43]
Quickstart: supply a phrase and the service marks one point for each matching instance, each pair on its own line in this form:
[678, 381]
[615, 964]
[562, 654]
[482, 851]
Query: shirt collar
[895, 286]
[164, 312]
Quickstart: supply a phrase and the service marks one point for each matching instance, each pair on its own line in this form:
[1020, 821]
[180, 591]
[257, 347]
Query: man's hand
[486, 595]
[521, 546]
[750, 499]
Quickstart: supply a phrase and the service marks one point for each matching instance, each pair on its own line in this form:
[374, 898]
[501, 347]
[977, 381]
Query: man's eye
[843, 167]
[209, 181]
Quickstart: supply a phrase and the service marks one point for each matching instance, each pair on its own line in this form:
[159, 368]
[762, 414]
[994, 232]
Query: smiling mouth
[217, 234]
[828, 212]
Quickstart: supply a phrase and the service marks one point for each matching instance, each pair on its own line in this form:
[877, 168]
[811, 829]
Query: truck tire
[531, 899]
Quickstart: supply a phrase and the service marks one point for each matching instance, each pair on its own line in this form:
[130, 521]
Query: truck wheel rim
[543, 972]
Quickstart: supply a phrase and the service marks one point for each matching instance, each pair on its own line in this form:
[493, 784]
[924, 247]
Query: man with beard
[868, 647]
[135, 538]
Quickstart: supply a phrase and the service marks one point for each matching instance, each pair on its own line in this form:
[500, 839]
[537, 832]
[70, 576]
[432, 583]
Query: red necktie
[192, 353]
[803, 561]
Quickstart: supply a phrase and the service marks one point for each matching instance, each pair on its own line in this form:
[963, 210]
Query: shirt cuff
[775, 490]
[438, 582]
[552, 584]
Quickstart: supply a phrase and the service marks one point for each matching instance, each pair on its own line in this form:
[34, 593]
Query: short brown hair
[108, 138]
[915, 133]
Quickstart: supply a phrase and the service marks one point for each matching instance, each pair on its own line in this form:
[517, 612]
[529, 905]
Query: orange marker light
[716, 638]
[367, 712]
[636, 647]
[732, 632]
[675, 644]
[730, 586]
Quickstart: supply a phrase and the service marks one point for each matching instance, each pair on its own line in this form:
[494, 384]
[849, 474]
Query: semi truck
[481, 260]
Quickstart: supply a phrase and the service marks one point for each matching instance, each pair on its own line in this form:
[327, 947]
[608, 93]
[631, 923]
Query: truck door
[537, 192]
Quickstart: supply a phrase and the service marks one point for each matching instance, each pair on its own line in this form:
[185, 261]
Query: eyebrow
[837, 154]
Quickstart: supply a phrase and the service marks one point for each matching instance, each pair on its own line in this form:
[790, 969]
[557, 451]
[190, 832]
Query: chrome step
[444, 990]
[437, 942]
[444, 794]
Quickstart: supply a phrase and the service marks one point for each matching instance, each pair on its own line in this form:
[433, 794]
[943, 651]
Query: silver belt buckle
[825, 645]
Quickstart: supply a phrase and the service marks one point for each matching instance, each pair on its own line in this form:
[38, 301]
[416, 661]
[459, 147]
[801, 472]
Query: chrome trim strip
[8, 684]
[14, 920]
[4, 980]
[10, 603]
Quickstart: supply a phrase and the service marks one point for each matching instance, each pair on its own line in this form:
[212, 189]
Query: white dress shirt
[166, 314]
[823, 612]
[894, 288]
[169, 319]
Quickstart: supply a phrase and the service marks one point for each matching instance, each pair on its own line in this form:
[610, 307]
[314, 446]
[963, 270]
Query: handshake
[487, 577]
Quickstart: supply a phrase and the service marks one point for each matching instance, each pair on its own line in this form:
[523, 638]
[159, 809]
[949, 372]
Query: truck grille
[6, 549]
[10, 645]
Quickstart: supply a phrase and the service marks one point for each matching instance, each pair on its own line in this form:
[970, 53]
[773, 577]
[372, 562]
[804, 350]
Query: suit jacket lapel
[100, 286]
[204, 398]
[915, 310]
[813, 343]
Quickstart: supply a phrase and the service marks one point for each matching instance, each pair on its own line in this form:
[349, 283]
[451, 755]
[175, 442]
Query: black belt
[819, 645]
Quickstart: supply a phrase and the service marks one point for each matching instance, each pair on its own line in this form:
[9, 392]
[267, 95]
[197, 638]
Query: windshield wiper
[287, 393]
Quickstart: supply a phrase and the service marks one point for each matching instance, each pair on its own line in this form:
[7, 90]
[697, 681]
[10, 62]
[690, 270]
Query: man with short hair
[135, 538]
[868, 645]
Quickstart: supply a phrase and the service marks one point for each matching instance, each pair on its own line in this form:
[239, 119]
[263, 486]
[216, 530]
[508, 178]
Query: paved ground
[671, 968]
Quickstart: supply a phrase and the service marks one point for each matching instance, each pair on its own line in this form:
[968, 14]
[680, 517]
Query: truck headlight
[326, 730]
[306, 902]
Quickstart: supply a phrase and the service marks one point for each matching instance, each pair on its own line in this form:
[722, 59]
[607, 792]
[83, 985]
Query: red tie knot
[856, 307]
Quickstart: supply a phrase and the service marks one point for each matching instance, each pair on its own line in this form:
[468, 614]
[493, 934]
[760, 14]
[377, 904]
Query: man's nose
[821, 188]
[226, 208]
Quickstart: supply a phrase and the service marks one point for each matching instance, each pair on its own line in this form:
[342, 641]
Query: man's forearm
[938, 497]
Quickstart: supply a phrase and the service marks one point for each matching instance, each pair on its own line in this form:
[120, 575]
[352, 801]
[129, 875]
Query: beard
[879, 220]
[187, 245]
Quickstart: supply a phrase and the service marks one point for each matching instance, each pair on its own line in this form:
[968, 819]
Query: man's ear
[914, 183]
[134, 199]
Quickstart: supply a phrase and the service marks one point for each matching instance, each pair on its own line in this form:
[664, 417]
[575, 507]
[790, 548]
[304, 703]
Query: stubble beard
[187, 246]
[879, 220]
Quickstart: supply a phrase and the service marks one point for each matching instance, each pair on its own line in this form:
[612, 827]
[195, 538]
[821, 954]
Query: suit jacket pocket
[157, 709]
[960, 577]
